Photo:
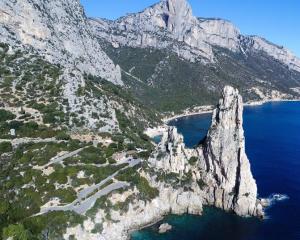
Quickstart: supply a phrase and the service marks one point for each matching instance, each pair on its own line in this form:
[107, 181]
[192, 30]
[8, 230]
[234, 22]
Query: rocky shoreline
[216, 173]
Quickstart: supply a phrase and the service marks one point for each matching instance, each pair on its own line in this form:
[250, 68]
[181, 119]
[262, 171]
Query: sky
[276, 20]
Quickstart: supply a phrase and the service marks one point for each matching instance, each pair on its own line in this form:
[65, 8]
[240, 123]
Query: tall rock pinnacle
[226, 159]
[222, 163]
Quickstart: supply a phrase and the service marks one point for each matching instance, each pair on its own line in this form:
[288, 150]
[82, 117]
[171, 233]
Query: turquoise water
[157, 139]
[272, 134]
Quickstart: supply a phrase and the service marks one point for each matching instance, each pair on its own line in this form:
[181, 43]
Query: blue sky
[276, 20]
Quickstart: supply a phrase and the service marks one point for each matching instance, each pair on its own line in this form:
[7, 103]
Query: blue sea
[272, 134]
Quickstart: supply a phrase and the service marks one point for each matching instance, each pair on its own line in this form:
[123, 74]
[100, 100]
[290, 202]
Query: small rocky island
[165, 227]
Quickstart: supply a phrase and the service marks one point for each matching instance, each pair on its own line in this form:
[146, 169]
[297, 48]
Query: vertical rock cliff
[222, 165]
[172, 155]
[226, 164]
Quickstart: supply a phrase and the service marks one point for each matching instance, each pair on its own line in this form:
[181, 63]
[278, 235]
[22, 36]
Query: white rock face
[222, 162]
[165, 227]
[57, 30]
[172, 155]
[178, 15]
[282, 54]
[141, 213]
[227, 165]
[171, 24]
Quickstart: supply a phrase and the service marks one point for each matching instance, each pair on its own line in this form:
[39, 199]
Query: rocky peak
[226, 161]
[278, 52]
[172, 15]
[172, 156]
[171, 24]
[177, 16]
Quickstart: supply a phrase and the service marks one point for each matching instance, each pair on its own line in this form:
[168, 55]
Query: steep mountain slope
[165, 50]
[57, 30]
[51, 155]
[58, 33]
[38, 37]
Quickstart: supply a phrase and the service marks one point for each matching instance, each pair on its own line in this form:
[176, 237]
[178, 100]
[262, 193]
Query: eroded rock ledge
[216, 173]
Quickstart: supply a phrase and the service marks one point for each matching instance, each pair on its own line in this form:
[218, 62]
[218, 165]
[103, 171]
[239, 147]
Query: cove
[272, 134]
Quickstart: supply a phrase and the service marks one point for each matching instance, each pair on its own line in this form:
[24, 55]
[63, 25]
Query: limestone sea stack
[220, 162]
[227, 168]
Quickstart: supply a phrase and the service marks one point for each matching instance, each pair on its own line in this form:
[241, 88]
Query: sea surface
[272, 134]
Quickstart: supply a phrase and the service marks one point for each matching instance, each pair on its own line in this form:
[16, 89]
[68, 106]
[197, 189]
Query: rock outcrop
[222, 166]
[172, 155]
[165, 227]
[226, 164]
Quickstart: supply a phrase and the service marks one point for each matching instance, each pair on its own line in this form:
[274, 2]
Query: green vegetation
[62, 136]
[193, 160]
[6, 115]
[5, 147]
[170, 178]
[133, 131]
[93, 155]
[101, 203]
[32, 189]
[123, 207]
[178, 84]
[27, 129]
[52, 113]
[51, 225]
[132, 176]
[16, 232]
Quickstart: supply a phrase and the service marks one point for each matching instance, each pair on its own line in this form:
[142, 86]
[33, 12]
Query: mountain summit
[176, 15]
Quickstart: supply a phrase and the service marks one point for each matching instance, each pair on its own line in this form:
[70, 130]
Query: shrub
[16, 232]
[193, 160]
[5, 147]
[92, 155]
[62, 136]
[146, 191]
[6, 115]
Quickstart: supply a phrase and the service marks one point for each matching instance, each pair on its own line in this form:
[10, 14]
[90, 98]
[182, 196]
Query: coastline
[168, 119]
[188, 113]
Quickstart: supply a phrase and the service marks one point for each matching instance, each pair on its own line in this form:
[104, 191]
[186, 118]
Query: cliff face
[58, 30]
[226, 163]
[220, 163]
[172, 155]
[167, 49]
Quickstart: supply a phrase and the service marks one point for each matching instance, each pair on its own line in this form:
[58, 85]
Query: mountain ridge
[211, 53]
[163, 16]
